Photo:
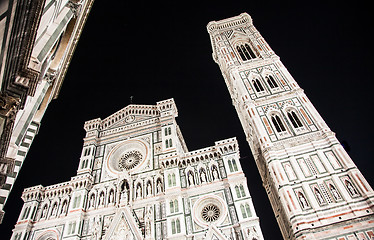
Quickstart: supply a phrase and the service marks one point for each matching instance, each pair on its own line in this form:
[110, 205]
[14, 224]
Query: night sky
[158, 50]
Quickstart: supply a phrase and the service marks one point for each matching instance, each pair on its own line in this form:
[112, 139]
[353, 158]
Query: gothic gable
[124, 226]
[214, 233]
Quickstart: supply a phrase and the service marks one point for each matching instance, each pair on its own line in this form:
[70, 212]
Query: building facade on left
[37, 41]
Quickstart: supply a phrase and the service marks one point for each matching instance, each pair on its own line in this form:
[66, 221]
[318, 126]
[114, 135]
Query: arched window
[234, 165]
[275, 119]
[171, 206]
[296, 123]
[169, 180]
[257, 84]
[173, 179]
[86, 163]
[242, 209]
[270, 80]
[246, 210]
[168, 143]
[175, 226]
[178, 225]
[173, 230]
[174, 206]
[24, 213]
[230, 166]
[245, 52]
[242, 192]
[237, 191]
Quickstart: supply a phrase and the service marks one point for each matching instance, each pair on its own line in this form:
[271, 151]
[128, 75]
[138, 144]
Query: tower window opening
[270, 80]
[245, 51]
[257, 84]
[275, 119]
[296, 123]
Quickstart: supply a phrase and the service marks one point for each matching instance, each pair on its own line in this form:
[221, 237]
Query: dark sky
[158, 50]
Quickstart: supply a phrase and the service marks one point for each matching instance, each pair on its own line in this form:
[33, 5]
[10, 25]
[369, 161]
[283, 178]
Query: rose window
[129, 160]
[210, 213]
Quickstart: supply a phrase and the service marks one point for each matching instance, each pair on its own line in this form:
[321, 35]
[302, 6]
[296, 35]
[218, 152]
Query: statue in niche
[335, 193]
[101, 199]
[64, 207]
[124, 196]
[319, 196]
[138, 191]
[54, 209]
[215, 172]
[44, 212]
[92, 201]
[111, 196]
[191, 179]
[149, 189]
[125, 191]
[202, 176]
[350, 187]
[304, 203]
[159, 185]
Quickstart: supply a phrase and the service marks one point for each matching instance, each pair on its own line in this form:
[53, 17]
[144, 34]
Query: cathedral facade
[315, 189]
[136, 179]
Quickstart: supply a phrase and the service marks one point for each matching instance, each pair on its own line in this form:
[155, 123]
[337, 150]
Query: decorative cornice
[19, 80]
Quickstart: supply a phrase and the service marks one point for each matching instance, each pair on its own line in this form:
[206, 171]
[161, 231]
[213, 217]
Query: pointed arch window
[296, 123]
[171, 180]
[258, 86]
[232, 165]
[168, 143]
[174, 206]
[245, 51]
[271, 81]
[175, 226]
[237, 191]
[246, 210]
[240, 192]
[276, 120]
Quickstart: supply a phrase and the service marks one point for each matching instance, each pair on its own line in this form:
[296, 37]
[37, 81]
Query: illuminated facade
[314, 187]
[137, 180]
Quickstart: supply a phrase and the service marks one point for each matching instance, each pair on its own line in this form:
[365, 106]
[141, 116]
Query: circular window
[210, 213]
[209, 209]
[130, 155]
[129, 160]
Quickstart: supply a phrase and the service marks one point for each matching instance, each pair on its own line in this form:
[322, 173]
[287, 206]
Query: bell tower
[315, 189]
